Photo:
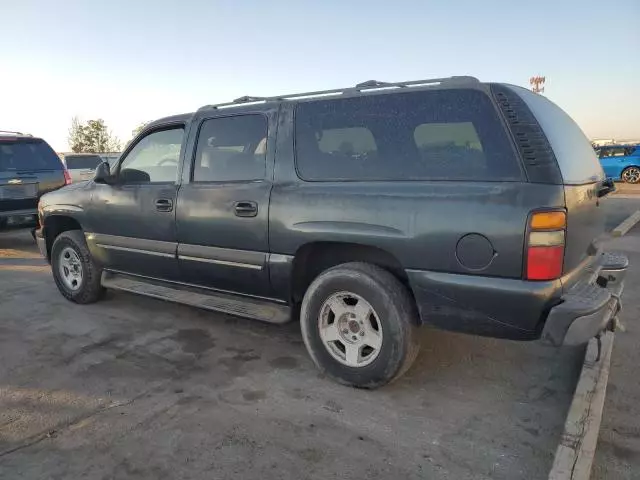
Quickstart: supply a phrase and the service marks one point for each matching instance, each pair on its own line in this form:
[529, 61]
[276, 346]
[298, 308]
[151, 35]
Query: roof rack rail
[11, 131]
[360, 87]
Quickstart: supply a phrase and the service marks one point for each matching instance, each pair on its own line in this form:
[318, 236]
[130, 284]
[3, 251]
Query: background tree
[76, 136]
[137, 130]
[92, 137]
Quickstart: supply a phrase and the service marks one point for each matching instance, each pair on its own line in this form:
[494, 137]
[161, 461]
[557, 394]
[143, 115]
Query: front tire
[359, 325]
[631, 175]
[74, 271]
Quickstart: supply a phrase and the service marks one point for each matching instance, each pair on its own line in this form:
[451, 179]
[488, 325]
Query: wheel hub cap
[354, 327]
[70, 268]
[350, 329]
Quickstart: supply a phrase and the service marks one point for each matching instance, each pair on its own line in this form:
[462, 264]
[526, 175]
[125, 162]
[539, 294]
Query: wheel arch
[56, 224]
[313, 258]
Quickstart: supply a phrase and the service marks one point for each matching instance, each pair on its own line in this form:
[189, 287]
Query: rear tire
[74, 271]
[631, 175]
[359, 324]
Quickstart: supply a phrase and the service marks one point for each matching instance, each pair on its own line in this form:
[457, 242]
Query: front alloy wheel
[631, 175]
[76, 275]
[70, 268]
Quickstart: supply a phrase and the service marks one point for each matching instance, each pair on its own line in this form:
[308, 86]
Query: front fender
[70, 201]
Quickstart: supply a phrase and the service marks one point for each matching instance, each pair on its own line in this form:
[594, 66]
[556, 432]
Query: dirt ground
[138, 388]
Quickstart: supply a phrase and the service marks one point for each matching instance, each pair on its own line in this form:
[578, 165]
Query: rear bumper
[589, 306]
[566, 311]
[488, 306]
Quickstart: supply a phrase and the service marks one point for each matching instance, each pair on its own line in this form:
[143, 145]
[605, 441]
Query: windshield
[29, 154]
[82, 161]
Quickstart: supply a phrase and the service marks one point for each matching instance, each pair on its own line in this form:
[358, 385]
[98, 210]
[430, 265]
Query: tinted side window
[231, 149]
[425, 135]
[154, 159]
[350, 141]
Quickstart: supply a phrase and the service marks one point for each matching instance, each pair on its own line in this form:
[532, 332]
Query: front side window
[231, 149]
[424, 135]
[618, 152]
[154, 159]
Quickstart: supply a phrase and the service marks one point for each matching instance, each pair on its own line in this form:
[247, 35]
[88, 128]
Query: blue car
[620, 162]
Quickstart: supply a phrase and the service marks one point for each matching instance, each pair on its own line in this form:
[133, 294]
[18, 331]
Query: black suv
[28, 169]
[372, 210]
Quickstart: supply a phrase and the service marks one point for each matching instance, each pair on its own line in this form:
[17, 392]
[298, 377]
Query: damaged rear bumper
[590, 306]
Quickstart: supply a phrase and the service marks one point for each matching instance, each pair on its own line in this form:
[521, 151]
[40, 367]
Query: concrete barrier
[577, 447]
[627, 225]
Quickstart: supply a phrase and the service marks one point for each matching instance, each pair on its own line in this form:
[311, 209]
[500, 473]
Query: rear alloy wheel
[631, 175]
[74, 271]
[359, 324]
[350, 329]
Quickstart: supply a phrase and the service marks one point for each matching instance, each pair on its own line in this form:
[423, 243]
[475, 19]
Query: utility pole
[537, 84]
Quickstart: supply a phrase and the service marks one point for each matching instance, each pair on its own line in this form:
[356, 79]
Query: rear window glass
[432, 135]
[577, 160]
[27, 155]
[82, 161]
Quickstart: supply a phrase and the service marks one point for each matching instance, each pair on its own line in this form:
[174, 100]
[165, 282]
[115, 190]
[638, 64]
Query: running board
[253, 308]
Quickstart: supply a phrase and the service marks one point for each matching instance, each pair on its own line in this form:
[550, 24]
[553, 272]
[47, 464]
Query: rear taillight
[67, 177]
[545, 245]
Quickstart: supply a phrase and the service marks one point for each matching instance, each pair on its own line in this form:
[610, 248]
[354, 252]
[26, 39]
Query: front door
[132, 219]
[223, 206]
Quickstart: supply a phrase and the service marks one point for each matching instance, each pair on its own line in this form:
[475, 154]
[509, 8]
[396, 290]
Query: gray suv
[369, 211]
[29, 168]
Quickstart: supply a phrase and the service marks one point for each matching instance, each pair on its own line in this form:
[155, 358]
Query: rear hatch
[580, 173]
[28, 169]
[82, 167]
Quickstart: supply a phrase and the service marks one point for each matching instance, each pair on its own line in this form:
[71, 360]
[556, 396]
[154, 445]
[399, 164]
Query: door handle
[164, 204]
[245, 209]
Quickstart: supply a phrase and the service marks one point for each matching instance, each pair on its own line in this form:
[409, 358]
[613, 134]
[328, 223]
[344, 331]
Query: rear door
[29, 168]
[223, 204]
[581, 175]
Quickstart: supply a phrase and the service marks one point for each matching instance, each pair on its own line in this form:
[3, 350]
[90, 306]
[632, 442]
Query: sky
[132, 61]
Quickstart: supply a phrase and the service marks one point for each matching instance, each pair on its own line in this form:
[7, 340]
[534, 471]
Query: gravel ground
[137, 388]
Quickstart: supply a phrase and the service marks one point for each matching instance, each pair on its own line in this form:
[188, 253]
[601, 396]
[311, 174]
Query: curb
[577, 447]
[626, 225]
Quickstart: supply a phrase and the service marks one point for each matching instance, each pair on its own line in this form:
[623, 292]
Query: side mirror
[103, 174]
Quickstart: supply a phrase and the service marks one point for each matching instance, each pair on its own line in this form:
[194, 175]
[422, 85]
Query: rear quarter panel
[585, 224]
[420, 223]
